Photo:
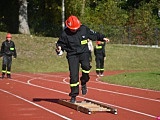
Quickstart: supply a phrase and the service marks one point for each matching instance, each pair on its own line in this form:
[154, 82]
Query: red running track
[34, 97]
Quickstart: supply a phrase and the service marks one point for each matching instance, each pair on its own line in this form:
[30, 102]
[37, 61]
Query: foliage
[44, 17]
[144, 24]
[136, 20]
[9, 15]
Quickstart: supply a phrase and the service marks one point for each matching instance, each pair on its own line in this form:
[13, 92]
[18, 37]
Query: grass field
[37, 54]
[144, 60]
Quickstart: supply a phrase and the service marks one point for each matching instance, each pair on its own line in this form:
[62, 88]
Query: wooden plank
[88, 106]
[74, 106]
[108, 108]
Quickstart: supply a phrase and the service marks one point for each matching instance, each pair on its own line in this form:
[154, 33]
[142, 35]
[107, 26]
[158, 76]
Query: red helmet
[8, 35]
[73, 23]
[98, 42]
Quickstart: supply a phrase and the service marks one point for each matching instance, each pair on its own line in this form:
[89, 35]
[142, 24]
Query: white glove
[60, 53]
[106, 39]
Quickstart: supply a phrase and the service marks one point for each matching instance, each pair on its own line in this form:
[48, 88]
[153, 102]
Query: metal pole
[63, 15]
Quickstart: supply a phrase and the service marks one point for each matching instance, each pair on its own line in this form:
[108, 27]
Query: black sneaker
[8, 76]
[73, 99]
[2, 76]
[84, 89]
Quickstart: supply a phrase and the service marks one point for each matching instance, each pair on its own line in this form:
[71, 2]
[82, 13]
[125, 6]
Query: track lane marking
[124, 94]
[64, 80]
[96, 81]
[101, 82]
[119, 93]
[64, 117]
[134, 111]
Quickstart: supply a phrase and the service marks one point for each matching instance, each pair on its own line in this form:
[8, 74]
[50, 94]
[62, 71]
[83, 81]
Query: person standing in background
[7, 51]
[100, 56]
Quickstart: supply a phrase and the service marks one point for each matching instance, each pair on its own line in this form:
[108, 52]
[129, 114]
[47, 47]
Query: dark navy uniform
[7, 51]
[99, 52]
[75, 44]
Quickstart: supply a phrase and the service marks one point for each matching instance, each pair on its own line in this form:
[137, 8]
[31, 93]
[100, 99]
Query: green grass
[37, 54]
[121, 57]
[146, 60]
[147, 80]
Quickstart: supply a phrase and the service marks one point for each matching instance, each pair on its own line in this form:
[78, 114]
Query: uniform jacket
[77, 43]
[99, 50]
[8, 48]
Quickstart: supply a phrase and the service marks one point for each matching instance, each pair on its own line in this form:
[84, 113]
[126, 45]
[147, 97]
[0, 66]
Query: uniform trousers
[6, 64]
[99, 64]
[74, 62]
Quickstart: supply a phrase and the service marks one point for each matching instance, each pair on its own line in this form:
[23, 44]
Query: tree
[23, 19]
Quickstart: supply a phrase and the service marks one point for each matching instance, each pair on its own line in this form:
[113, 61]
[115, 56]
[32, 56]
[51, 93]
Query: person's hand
[106, 39]
[104, 58]
[59, 50]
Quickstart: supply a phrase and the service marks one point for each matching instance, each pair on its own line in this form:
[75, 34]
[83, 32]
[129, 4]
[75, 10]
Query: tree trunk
[23, 19]
[83, 7]
[159, 12]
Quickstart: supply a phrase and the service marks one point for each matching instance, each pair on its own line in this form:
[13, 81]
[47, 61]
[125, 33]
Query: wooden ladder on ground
[88, 106]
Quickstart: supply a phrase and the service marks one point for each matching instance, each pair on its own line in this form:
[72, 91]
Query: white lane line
[64, 80]
[66, 118]
[59, 76]
[134, 111]
[97, 81]
[23, 75]
[43, 79]
[139, 97]
[124, 94]
[96, 101]
[45, 75]
[101, 82]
